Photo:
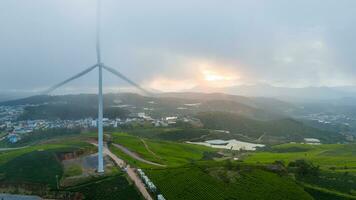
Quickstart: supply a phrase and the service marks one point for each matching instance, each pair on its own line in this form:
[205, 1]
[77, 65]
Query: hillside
[295, 94]
[38, 168]
[262, 119]
[219, 182]
[171, 154]
[269, 104]
[280, 130]
[190, 175]
[157, 106]
[71, 111]
[336, 164]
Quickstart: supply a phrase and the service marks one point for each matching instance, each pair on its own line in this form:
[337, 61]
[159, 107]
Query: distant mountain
[166, 104]
[7, 96]
[285, 93]
[261, 103]
[261, 118]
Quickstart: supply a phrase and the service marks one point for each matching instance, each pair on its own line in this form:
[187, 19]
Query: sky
[178, 45]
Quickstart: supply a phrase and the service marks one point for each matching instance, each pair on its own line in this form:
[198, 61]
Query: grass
[128, 159]
[73, 170]
[330, 156]
[44, 136]
[134, 144]
[216, 182]
[165, 152]
[2, 134]
[337, 162]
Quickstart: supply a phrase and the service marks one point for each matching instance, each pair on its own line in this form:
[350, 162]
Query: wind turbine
[100, 65]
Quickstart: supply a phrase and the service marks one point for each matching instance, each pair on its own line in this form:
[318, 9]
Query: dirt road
[149, 150]
[130, 172]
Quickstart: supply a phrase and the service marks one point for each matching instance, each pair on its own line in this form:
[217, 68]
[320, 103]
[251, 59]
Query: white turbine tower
[100, 94]
[100, 65]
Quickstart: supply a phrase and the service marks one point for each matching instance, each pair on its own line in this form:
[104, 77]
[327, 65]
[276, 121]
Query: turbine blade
[117, 73]
[69, 79]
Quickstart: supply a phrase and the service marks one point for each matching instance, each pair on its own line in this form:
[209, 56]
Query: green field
[43, 136]
[39, 167]
[73, 170]
[186, 175]
[340, 157]
[164, 152]
[337, 162]
[218, 182]
[35, 169]
[128, 159]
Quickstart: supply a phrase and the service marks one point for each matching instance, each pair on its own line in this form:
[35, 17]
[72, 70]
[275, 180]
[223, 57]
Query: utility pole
[57, 182]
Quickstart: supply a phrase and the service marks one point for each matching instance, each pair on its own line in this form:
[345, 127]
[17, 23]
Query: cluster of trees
[304, 168]
[301, 168]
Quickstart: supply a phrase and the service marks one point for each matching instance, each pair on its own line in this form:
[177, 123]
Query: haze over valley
[177, 100]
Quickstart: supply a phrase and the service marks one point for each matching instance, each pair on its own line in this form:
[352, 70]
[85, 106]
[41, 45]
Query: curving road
[135, 156]
[9, 149]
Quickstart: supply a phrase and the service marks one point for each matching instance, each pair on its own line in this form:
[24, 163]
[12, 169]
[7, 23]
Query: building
[312, 141]
[171, 120]
[141, 115]
[13, 138]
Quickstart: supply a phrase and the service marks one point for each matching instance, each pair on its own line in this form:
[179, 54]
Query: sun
[219, 77]
[210, 75]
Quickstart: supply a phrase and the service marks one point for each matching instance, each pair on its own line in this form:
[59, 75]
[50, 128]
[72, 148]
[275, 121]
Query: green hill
[163, 152]
[34, 170]
[36, 165]
[337, 164]
[279, 130]
[70, 111]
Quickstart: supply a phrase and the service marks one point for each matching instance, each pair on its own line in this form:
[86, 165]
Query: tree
[304, 168]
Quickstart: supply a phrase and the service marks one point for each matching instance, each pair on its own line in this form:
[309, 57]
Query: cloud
[297, 43]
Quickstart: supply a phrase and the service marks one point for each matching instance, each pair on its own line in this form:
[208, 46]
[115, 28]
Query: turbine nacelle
[109, 69]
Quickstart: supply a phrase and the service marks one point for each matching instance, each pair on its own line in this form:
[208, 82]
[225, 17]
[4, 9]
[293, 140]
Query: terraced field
[199, 182]
[109, 188]
[36, 164]
[35, 169]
